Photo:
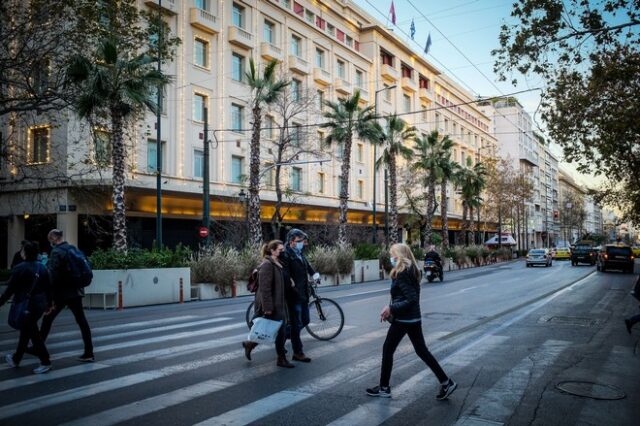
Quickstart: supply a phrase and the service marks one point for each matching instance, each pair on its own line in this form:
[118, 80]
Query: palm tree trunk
[470, 233]
[255, 222]
[344, 190]
[119, 160]
[465, 209]
[428, 223]
[444, 217]
[393, 200]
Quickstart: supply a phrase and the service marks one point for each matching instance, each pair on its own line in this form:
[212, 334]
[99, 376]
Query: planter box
[141, 287]
[241, 288]
[366, 270]
[209, 291]
[327, 280]
[343, 279]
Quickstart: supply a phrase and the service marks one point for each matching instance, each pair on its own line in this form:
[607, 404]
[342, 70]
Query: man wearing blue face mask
[298, 269]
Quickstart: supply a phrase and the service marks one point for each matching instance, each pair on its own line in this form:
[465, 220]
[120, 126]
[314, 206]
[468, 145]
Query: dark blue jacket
[22, 281]
[405, 295]
[298, 270]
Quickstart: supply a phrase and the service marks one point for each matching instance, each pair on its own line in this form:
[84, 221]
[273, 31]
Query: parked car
[562, 253]
[583, 253]
[539, 257]
[615, 257]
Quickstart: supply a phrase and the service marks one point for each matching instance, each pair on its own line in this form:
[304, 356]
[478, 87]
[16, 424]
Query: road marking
[108, 328]
[159, 402]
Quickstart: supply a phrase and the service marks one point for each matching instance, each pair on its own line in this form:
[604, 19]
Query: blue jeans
[299, 320]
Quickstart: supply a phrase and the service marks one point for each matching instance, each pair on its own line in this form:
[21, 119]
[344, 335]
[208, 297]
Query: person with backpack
[70, 272]
[270, 299]
[29, 280]
[404, 315]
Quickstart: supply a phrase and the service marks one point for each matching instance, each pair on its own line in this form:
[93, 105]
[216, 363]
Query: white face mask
[394, 262]
[299, 245]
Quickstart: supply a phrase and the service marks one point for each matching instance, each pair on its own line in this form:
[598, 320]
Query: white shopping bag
[264, 330]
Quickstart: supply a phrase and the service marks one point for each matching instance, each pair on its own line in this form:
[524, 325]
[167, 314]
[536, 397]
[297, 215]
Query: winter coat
[21, 282]
[270, 295]
[405, 295]
[57, 264]
[298, 269]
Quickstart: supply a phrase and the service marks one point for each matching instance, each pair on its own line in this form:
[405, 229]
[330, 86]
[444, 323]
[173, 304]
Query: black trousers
[30, 331]
[75, 306]
[396, 333]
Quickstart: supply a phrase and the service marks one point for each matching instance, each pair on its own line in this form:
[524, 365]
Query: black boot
[283, 362]
[248, 347]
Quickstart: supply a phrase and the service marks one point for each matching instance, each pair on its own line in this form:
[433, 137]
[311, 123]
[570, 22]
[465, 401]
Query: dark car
[583, 253]
[615, 257]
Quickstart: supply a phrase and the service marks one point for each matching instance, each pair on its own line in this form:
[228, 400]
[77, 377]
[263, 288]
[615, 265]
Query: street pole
[386, 208]
[205, 179]
[499, 225]
[158, 140]
[374, 238]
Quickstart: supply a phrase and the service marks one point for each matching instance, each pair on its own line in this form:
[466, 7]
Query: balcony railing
[241, 37]
[296, 63]
[204, 20]
[389, 72]
[409, 84]
[426, 94]
[168, 6]
[271, 52]
[322, 76]
[343, 86]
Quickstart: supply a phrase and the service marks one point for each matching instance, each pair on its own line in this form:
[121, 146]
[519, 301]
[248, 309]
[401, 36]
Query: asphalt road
[507, 334]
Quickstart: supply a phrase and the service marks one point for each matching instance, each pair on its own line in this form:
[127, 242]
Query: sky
[463, 34]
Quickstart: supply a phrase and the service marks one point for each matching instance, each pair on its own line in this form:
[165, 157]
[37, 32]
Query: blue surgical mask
[394, 262]
[299, 246]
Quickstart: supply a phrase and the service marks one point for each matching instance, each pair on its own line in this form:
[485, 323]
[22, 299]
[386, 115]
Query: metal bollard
[181, 291]
[120, 304]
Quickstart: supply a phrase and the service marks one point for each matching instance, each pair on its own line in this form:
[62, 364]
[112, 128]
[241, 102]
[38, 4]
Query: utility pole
[205, 179]
[158, 140]
[386, 209]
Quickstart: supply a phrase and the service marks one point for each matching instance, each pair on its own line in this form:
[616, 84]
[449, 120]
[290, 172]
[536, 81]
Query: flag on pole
[428, 45]
[413, 29]
[392, 12]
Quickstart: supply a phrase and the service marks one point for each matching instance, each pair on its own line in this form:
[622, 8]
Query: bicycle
[326, 318]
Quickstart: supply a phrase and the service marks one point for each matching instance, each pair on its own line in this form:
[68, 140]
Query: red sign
[203, 232]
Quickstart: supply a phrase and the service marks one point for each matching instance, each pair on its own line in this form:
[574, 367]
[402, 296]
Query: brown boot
[301, 357]
[283, 362]
[248, 347]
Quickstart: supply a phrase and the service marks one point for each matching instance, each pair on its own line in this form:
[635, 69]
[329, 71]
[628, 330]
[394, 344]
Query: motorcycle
[433, 271]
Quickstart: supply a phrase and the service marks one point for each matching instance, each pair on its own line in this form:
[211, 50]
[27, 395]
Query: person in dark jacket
[270, 299]
[65, 293]
[17, 257]
[404, 315]
[433, 256]
[30, 276]
[298, 270]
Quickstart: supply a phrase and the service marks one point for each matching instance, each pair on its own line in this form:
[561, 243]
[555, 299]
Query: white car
[539, 257]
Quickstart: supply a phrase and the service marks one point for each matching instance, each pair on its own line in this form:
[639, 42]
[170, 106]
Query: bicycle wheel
[326, 319]
[249, 315]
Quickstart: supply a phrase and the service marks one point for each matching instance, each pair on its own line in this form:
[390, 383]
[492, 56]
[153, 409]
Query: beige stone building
[328, 48]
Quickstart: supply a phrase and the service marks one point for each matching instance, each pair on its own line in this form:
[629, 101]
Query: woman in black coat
[404, 315]
[30, 276]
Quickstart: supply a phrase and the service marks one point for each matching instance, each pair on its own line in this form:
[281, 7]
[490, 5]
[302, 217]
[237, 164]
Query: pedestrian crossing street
[187, 369]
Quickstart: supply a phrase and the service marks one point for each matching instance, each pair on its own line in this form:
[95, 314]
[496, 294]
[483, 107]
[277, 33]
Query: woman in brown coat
[270, 298]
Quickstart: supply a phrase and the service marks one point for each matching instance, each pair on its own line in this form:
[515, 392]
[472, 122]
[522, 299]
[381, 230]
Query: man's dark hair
[57, 233]
[31, 250]
[296, 233]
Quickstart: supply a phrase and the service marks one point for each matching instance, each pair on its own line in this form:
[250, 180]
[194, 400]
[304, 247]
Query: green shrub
[216, 264]
[418, 252]
[248, 260]
[323, 260]
[385, 260]
[141, 258]
[344, 259]
[473, 253]
[461, 255]
[436, 238]
[366, 251]
[451, 253]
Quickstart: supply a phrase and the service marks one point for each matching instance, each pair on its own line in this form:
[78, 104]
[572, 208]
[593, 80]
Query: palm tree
[471, 182]
[393, 138]
[449, 169]
[265, 90]
[431, 152]
[111, 83]
[346, 121]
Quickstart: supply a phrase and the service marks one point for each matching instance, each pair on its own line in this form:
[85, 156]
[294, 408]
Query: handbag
[21, 310]
[264, 330]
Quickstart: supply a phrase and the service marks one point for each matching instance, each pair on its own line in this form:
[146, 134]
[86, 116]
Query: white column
[15, 234]
[68, 223]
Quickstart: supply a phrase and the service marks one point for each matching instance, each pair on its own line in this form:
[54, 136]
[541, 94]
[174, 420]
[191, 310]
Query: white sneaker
[42, 369]
[10, 362]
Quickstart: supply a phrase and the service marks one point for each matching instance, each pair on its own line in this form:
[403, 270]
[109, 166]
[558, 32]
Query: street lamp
[375, 158]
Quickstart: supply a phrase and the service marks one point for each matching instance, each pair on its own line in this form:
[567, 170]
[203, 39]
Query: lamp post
[375, 158]
[205, 178]
[158, 141]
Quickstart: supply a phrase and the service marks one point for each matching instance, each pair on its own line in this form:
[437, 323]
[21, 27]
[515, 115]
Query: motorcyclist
[432, 255]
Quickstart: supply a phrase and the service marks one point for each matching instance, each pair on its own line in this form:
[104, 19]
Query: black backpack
[252, 285]
[79, 268]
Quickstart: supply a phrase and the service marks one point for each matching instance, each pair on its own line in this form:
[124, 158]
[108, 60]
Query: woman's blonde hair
[405, 259]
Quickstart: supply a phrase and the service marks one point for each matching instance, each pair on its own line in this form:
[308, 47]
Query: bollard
[181, 291]
[234, 289]
[120, 304]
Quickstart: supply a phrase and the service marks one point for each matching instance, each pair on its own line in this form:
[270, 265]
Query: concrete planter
[209, 291]
[366, 270]
[241, 288]
[328, 280]
[343, 279]
[141, 287]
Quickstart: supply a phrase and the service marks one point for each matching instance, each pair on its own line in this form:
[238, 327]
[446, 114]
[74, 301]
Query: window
[424, 112]
[237, 67]
[309, 16]
[340, 149]
[153, 97]
[319, 58]
[296, 179]
[386, 58]
[296, 88]
[438, 121]
[446, 125]
[331, 29]
[201, 4]
[406, 71]
[198, 164]
[237, 117]
[237, 15]
[349, 41]
[321, 184]
[269, 178]
[296, 45]
[268, 127]
[320, 100]
[39, 141]
[320, 23]
[341, 69]
[360, 191]
[360, 153]
[102, 147]
[152, 155]
[407, 103]
[201, 57]
[269, 32]
[298, 9]
[340, 35]
[321, 143]
[237, 167]
[199, 103]
[296, 134]
[359, 79]
[424, 83]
